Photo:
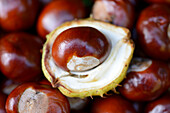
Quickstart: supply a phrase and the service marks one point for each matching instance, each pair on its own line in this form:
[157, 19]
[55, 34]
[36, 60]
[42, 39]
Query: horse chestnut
[153, 27]
[57, 12]
[36, 98]
[146, 80]
[73, 51]
[118, 12]
[17, 15]
[20, 57]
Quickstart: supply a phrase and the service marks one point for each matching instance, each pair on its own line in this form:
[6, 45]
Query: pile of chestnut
[24, 25]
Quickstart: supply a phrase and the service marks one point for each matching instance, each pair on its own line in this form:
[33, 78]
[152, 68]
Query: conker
[118, 12]
[57, 12]
[36, 98]
[153, 27]
[20, 57]
[112, 104]
[80, 49]
[18, 15]
[146, 80]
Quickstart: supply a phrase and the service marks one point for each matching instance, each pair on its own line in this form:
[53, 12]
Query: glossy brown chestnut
[2, 102]
[36, 98]
[118, 12]
[80, 48]
[146, 80]
[112, 104]
[160, 105]
[20, 57]
[58, 12]
[17, 15]
[153, 28]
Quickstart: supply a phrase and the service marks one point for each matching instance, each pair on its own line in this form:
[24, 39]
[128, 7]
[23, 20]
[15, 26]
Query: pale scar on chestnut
[33, 101]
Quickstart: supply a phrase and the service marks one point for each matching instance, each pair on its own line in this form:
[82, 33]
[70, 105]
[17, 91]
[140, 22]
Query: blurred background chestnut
[57, 12]
[153, 28]
[118, 12]
[20, 57]
[18, 15]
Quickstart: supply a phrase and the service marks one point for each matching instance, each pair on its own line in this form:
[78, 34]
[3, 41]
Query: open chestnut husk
[36, 98]
[87, 57]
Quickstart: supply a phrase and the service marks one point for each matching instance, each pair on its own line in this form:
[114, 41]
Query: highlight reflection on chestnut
[153, 28]
[147, 80]
[20, 57]
[36, 98]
